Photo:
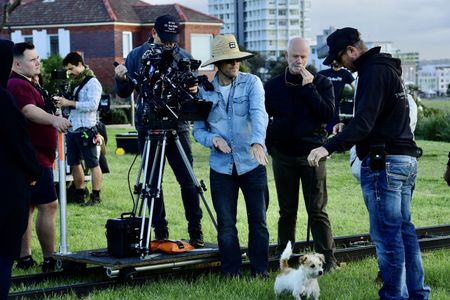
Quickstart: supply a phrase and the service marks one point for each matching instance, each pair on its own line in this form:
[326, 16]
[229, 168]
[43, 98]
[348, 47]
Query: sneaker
[161, 234]
[93, 200]
[196, 238]
[48, 265]
[25, 263]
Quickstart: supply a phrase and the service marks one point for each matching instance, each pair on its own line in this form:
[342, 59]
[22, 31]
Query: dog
[302, 282]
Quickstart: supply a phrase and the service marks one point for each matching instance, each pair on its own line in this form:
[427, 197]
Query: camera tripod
[149, 191]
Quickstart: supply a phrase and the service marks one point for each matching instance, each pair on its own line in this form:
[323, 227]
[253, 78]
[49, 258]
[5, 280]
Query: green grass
[442, 103]
[348, 215]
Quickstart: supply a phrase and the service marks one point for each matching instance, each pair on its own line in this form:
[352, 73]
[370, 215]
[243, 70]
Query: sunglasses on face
[232, 61]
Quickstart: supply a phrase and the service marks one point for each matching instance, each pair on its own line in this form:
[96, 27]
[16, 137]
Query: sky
[411, 25]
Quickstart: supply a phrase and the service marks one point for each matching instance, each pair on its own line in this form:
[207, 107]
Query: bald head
[297, 54]
[298, 43]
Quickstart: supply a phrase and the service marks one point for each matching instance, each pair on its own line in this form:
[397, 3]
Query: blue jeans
[387, 195]
[224, 191]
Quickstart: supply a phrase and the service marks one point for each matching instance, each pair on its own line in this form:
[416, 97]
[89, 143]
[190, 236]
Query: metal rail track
[349, 248]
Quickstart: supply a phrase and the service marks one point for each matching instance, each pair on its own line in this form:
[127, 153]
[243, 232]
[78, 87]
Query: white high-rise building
[264, 26]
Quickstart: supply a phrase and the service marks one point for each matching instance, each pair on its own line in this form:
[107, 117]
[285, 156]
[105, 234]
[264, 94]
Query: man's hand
[338, 128]
[221, 144]
[315, 155]
[447, 175]
[60, 123]
[257, 152]
[193, 89]
[63, 102]
[121, 72]
[307, 76]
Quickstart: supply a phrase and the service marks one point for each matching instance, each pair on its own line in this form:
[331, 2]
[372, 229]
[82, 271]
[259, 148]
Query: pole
[62, 193]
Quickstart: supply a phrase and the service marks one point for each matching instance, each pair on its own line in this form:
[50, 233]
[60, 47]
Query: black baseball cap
[167, 27]
[339, 40]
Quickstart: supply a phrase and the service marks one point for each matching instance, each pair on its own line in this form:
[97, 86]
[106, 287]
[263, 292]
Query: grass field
[442, 103]
[348, 215]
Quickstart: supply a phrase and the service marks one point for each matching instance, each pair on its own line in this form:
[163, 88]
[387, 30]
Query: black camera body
[164, 80]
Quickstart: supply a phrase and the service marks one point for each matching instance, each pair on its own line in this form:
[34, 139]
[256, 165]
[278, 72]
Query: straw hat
[225, 47]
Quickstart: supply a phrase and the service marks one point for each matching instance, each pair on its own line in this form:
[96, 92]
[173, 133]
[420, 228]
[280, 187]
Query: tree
[8, 8]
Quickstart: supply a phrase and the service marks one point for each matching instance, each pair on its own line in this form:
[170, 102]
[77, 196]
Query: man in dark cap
[384, 142]
[165, 34]
[19, 168]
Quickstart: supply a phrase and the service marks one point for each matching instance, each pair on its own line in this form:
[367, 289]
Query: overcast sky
[411, 25]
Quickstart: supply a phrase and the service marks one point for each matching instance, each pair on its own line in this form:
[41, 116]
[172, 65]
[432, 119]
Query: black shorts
[43, 191]
[80, 146]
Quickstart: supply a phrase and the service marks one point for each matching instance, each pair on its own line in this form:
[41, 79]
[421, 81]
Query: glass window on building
[54, 44]
[282, 22]
[294, 22]
[271, 11]
[127, 43]
[28, 39]
[282, 12]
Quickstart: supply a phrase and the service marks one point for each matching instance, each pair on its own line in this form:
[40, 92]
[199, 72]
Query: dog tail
[285, 256]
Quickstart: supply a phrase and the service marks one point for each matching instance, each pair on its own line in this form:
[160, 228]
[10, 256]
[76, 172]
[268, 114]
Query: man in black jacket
[300, 105]
[384, 142]
[19, 168]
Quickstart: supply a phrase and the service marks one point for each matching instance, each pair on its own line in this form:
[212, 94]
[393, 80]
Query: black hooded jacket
[298, 113]
[381, 109]
[18, 163]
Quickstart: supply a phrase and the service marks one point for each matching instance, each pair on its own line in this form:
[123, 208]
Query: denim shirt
[243, 124]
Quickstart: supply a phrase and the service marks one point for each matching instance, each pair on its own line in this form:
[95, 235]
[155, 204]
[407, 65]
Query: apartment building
[264, 26]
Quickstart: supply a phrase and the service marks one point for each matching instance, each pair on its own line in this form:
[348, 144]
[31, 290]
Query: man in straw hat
[235, 131]
[164, 33]
[300, 105]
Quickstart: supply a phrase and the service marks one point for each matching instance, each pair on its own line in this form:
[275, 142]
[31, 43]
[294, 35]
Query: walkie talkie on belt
[377, 157]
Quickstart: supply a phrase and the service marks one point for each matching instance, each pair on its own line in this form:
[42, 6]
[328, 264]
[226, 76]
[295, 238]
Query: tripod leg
[192, 175]
[144, 165]
[157, 192]
[144, 192]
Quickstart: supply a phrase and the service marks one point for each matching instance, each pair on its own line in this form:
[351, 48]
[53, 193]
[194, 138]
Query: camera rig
[164, 80]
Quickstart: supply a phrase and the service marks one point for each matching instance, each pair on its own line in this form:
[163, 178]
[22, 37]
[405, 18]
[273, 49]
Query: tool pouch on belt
[377, 157]
[89, 136]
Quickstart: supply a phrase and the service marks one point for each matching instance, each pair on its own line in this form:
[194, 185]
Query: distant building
[433, 79]
[319, 48]
[410, 65]
[264, 26]
[427, 80]
[104, 31]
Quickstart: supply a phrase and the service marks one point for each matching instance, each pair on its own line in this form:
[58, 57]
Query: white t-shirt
[225, 91]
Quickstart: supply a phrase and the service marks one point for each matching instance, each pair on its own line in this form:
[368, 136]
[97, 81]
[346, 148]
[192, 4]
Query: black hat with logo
[338, 41]
[167, 27]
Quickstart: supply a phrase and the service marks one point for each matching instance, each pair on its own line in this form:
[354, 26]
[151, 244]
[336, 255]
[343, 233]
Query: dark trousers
[189, 194]
[224, 191]
[6, 263]
[288, 172]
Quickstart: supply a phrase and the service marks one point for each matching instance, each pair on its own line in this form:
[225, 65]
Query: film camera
[164, 80]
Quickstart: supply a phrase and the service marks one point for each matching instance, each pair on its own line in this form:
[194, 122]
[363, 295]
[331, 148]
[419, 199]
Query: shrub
[116, 116]
[434, 125]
